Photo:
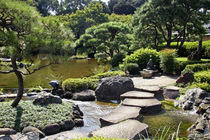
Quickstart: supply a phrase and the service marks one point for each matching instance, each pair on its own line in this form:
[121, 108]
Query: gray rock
[33, 129]
[185, 78]
[86, 95]
[112, 87]
[19, 136]
[7, 131]
[47, 99]
[146, 105]
[193, 97]
[130, 129]
[79, 122]
[51, 129]
[120, 114]
[67, 95]
[171, 92]
[137, 95]
[67, 125]
[200, 126]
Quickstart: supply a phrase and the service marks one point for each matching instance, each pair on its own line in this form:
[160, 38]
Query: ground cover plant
[108, 74]
[28, 114]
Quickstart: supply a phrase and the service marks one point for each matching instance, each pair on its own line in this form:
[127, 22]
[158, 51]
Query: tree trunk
[20, 83]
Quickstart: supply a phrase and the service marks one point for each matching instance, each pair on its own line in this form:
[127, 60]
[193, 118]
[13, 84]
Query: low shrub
[168, 61]
[189, 47]
[79, 84]
[108, 74]
[202, 76]
[142, 57]
[28, 114]
[132, 68]
[117, 59]
[198, 67]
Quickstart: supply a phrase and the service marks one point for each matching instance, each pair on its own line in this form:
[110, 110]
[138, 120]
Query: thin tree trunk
[20, 83]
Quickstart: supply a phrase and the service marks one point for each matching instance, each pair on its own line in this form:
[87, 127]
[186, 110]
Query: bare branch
[29, 72]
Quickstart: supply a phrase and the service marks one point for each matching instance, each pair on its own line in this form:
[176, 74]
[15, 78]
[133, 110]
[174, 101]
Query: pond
[69, 69]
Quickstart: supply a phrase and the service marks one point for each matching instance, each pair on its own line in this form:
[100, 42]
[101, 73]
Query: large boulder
[86, 95]
[112, 87]
[52, 129]
[193, 97]
[7, 131]
[33, 129]
[185, 78]
[47, 99]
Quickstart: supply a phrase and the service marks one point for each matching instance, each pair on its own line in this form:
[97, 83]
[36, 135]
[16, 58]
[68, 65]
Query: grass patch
[27, 114]
[108, 74]
[184, 59]
[168, 105]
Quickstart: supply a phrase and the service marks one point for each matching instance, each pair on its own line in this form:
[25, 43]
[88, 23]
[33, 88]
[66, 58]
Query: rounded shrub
[168, 61]
[132, 68]
[142, 57]
[79, 84]
[117, 59]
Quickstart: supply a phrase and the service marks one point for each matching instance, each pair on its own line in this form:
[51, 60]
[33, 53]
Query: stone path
[123, 122]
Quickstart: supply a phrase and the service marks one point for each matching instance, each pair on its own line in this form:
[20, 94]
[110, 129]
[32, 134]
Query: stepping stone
[130, 129]
[153, 89]
[146, 105]
[137, 95]
[171, 92]
[121, 113]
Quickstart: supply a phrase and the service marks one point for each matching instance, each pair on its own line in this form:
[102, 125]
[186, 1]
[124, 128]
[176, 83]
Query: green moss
[99, 138]
[108, 74]
[79, 84]
[168, 105]
[27, 114]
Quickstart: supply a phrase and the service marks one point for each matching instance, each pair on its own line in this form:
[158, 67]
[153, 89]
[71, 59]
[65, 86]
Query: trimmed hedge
[79, 84]
[189, 47]
[108, 74]
[28, 114]
[197, 67]
[142, 56]
[202, 76]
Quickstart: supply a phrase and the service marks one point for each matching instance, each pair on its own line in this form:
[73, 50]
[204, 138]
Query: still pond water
[69, 69]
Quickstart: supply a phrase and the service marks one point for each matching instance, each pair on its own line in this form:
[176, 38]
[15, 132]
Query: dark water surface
[69, 69]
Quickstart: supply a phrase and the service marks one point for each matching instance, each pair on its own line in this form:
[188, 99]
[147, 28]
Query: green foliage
[105, 40]
[99, 138]
[120, 18]
[83, 19]
[157, 20]
[198, 67]
[168, 61]
[108, 74]
[188, 47]
[79, 84]
[117, 59]
[27, 114]
[142, 56]
[124, 6]
[202, 76]
[132, 68]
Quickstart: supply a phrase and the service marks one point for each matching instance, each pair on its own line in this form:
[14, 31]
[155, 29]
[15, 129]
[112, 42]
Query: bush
[108, 74]
[132, 68]
[197, 67]
[142, 56]
[189, 47]
[79, 84]
[202, 76]
[180, 66]
[168, 61]
[117, 59]
[28, 114]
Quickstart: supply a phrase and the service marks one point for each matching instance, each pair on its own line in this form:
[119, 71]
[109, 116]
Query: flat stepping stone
[137, 95]
[171, 92]
[146, 105]
[121, 113]
[130, 129]
[153, 89]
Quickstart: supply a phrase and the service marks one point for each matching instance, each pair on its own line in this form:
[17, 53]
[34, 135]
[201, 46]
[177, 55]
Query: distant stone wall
[206, 38]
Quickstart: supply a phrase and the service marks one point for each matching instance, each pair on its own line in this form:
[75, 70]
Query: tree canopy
[105, 40]
[168, 21]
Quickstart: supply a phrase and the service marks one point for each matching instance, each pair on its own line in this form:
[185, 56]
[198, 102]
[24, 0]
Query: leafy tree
[124, 6]
[120, 18]
[105, 40]
[168, 20]
[83, 19]
[22, 30]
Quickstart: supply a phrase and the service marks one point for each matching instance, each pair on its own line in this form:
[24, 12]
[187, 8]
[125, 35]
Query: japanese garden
[104, 69]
